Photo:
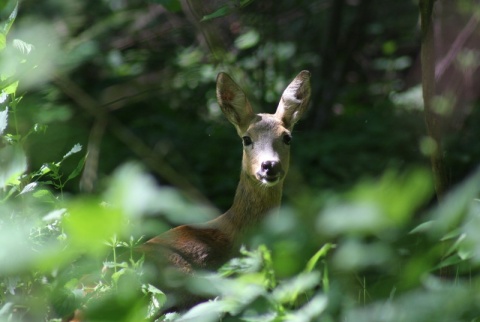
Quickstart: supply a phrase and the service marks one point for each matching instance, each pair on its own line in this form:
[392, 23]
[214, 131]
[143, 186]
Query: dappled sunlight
[116, 161]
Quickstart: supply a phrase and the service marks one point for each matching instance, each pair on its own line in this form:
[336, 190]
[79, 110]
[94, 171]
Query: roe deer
[266, 153]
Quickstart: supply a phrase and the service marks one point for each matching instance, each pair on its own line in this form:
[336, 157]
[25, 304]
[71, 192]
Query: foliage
[85, 87]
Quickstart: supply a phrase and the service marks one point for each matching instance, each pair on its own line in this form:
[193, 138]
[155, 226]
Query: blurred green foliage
[89, 90]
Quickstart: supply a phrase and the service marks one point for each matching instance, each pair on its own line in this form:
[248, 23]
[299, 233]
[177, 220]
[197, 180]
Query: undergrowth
[378, 252]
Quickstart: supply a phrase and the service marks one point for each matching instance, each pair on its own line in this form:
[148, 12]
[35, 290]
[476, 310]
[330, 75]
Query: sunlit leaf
[76, 148]
[23, 46]
[247, 40]
[423, 227]
[10, 20]
[373, 206]
[3, 41]
[56, 214]
[89, 224]
[352, 218]
[44, 194]
[454, 207]
[15, 248]
[321, 253]
[7, 309]
[397, 195]
[309, 311]
[19, 253]
[13, 163]
[447, 302]
[11, 88]
[29, 188]
[43, 36]
[204, 312]
[136, 193]
[287, 292]
[157, 299]
[117, 275]
[3, 121]
[355, 255]
[78, 169]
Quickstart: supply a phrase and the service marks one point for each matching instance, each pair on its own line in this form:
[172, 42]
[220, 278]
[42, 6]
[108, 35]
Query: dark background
[136, 79]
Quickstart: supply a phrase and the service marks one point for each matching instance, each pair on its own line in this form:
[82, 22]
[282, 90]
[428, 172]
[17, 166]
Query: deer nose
[271, 168]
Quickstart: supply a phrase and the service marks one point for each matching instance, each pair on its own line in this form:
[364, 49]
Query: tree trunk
[433, 120]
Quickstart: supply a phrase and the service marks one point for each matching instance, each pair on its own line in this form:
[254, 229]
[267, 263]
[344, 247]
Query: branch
[154, 161]
[456, 47]
[433, 121]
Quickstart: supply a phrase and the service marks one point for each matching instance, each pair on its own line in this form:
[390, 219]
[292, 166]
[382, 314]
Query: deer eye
[287, 139]
[247, 140]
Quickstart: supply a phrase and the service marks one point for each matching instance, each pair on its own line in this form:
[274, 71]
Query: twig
[154, 161]
[456, 47]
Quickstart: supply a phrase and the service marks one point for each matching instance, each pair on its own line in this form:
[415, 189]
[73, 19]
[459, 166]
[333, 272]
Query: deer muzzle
[270, 173]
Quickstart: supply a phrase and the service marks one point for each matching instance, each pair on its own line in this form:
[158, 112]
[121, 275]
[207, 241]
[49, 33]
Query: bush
[362, 242]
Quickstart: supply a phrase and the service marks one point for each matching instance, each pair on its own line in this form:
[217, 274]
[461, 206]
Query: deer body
[266, 153]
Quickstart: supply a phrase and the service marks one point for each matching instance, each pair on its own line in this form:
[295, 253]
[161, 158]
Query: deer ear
[294, 100]
[233, 102]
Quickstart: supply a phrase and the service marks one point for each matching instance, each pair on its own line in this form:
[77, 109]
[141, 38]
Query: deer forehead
[266, 125]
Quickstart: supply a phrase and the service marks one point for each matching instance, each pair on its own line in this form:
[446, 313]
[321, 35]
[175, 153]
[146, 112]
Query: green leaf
[157, 299]
[288, 291]
[423, 227]
[89, 224]
[3, 121]
[29, 188]
[116, 276]
[454, 207]
[316, 306]
[23, 46]
[76, 148]
[322, 252]
[3, 41]
[6, 81]
[247, 40]
[78, 169]
[12, 164]
[221, 12]
[11, 88]
[11, 19]
[136, 193]
[44, 195]
[203, 312]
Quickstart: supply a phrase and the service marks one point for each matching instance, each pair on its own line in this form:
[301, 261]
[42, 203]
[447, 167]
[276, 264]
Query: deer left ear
[294, 101]
[233, 101]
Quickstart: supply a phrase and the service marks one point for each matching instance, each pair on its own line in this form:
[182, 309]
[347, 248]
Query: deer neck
[251, 203]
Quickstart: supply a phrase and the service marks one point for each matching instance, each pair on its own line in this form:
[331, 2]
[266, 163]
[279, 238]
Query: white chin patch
[269, 182]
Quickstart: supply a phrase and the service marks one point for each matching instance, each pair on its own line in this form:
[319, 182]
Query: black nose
[271, 168]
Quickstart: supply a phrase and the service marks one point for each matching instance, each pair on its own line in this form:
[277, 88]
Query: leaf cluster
[364, 242]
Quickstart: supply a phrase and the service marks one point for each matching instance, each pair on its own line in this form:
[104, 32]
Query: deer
[266, 142]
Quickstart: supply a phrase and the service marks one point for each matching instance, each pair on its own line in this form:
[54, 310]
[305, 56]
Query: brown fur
[209, 245]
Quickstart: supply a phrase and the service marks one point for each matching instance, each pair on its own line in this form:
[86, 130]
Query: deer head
[266, 137]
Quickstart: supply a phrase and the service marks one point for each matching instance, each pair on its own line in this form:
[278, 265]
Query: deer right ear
[294, 100]
[233, 102]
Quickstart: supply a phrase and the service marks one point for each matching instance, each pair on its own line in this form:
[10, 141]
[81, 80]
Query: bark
[433, 120]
